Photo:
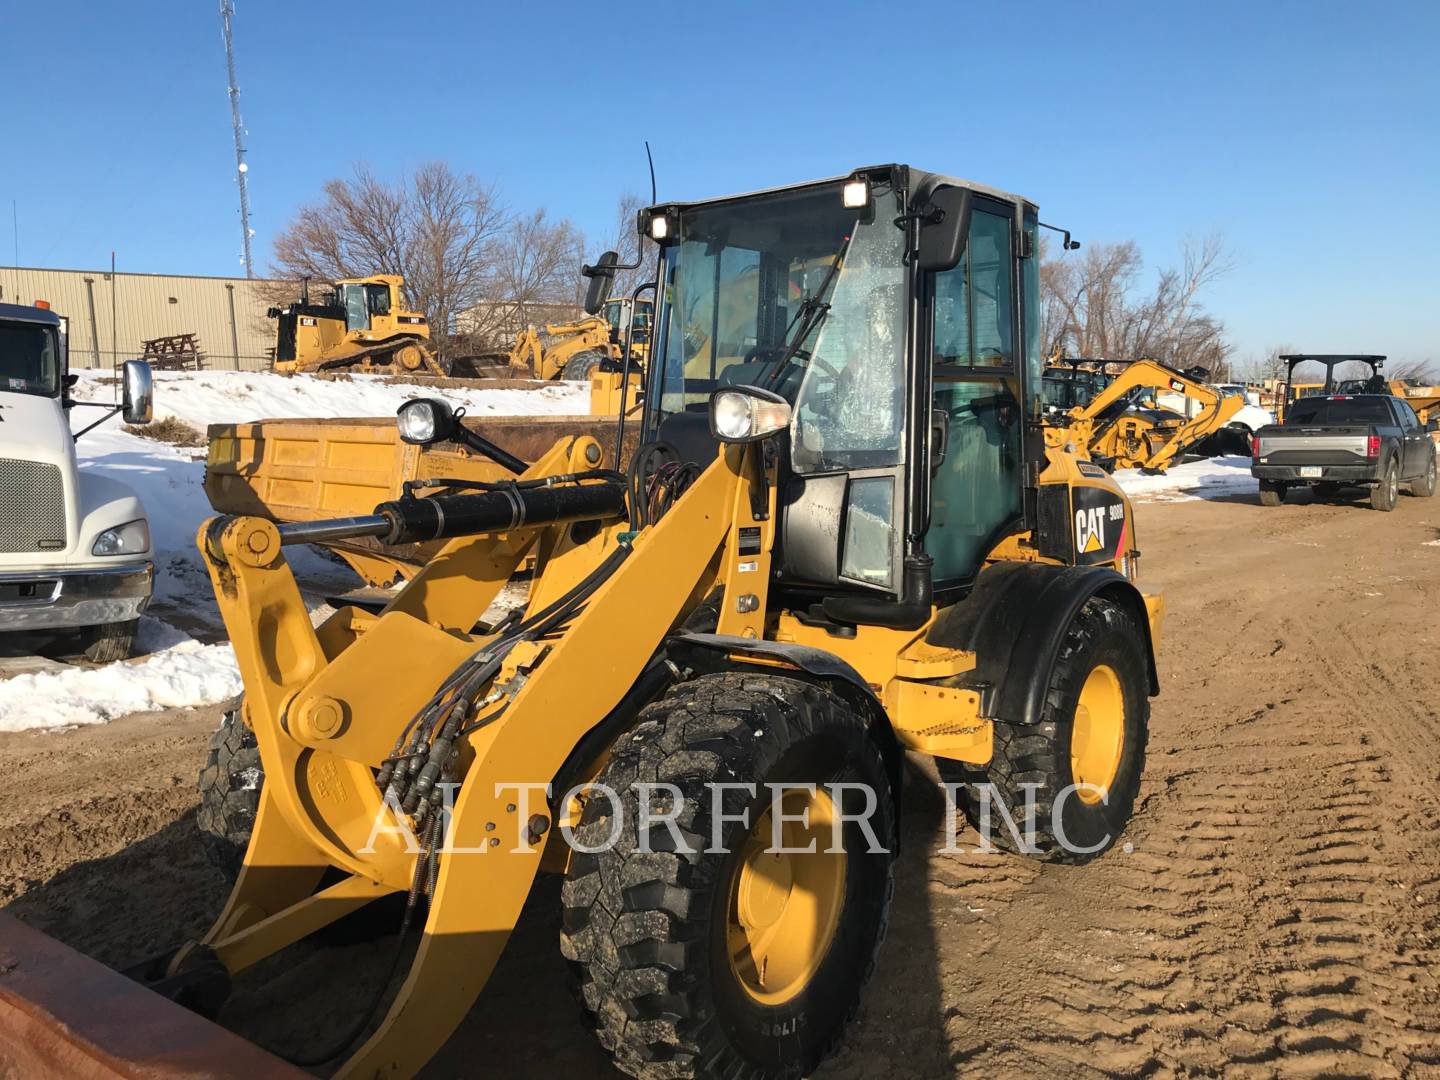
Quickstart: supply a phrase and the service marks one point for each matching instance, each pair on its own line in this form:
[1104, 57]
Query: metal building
[226, 315]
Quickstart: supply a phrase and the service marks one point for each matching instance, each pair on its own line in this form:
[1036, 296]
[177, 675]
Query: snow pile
[183, 675]
[201, 398]
[1208, 478]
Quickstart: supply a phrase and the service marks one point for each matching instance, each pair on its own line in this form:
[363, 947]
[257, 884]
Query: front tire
[1091, 735]
[1424, 488]
[229, 787]
[582, 365]
[736, 962]
[108, 642]
[1385, 494]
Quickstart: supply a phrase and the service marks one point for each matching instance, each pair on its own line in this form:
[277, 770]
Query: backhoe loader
[359, 325]
[1144, 418]
[842, 538]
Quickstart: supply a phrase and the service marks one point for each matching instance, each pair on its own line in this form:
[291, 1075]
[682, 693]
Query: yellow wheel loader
[574, 350]
[1145, 418]
[841, 539]
[359, 325]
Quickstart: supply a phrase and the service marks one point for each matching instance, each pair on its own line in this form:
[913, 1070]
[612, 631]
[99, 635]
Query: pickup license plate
[1308, 471]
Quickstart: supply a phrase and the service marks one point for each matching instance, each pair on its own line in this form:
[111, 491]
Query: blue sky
[1308, 132]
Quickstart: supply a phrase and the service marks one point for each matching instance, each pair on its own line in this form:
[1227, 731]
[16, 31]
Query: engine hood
[34, 428]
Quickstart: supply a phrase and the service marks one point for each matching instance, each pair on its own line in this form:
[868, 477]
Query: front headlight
[424, 421]
[746, 413]
[132, 538]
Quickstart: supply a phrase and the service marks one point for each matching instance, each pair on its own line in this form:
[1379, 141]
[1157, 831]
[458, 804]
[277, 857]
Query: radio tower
[227, 12]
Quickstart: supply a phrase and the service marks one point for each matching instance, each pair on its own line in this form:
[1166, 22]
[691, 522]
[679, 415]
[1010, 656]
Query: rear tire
[582, 365]
[1272, 492]
[1385, 494]
[665, 943]
[1048, 758]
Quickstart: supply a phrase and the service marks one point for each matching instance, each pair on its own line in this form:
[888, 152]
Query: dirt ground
[1275, 912]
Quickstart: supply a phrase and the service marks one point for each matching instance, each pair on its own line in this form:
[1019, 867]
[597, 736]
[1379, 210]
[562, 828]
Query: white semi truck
[75, 555]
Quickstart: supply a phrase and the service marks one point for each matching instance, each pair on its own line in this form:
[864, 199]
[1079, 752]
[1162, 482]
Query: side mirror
[425, 421]
[602, 280]
[137, 402]
[944, 230]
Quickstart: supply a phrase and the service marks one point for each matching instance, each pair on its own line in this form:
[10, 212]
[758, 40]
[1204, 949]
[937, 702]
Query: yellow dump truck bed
[303, 470]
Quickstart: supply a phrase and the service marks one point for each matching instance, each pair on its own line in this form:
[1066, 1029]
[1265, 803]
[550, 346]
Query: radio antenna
[651, 160]
[227, 12]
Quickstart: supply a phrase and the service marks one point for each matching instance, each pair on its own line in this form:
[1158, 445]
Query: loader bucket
[305, 470]
[63, 1014]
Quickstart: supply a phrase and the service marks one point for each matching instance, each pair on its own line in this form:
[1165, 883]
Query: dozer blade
[65, 1015]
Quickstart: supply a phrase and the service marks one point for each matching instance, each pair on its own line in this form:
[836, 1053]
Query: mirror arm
[115, 410]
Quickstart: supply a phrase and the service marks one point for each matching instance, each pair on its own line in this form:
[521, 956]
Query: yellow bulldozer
[1145, 417]
[360, 325]
[572, 350]
[836, 543]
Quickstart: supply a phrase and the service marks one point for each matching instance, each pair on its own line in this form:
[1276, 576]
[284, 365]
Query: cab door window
[975, 487]
[357, 308]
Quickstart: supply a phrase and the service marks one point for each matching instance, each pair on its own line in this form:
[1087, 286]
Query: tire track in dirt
[1276, 914]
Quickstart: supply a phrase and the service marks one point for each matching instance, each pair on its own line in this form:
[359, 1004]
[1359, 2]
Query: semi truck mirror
[138, 396]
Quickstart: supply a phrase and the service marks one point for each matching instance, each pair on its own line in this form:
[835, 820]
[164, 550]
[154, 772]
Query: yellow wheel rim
[1097, 738]
[409, 357]
[784, 908]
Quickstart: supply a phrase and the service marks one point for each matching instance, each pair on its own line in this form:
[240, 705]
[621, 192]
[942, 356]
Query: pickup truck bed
[1372, 440]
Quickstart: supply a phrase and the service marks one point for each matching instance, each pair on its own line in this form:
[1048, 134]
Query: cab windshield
[29, 359]
[794, 293]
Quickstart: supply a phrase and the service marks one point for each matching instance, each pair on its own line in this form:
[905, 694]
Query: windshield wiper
[813, 310]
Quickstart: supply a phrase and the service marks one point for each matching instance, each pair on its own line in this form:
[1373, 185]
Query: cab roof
[919, 180]
[28, 313]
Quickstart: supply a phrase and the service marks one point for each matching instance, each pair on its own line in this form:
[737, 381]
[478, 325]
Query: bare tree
[537, 267]
[438, 229]
[1092, 306]
[1415, 372]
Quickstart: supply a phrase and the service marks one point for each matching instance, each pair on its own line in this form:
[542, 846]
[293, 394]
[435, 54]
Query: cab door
[977, 364]
[1415, 439]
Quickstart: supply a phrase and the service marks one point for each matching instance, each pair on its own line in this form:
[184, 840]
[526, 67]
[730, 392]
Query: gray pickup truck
[1336, 441]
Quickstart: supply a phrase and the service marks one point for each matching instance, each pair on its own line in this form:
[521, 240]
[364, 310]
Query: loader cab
[895, 311]
[636, 316]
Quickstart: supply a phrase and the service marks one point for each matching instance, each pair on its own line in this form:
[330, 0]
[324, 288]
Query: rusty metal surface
[65, 1015]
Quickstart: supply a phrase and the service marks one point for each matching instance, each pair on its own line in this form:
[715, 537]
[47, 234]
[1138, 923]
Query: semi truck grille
[32, 507]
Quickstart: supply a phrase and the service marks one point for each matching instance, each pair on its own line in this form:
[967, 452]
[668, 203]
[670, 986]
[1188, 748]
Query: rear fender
[1015, 620]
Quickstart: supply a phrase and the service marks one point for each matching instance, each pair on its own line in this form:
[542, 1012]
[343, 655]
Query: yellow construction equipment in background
[1145, 418]
[360, 325]
[571, 350]
[835, 544]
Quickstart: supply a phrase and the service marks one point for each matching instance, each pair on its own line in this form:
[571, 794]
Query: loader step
[63, 1014]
